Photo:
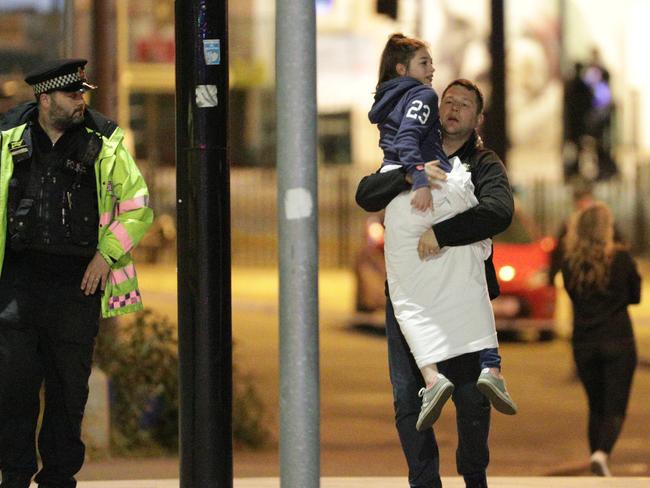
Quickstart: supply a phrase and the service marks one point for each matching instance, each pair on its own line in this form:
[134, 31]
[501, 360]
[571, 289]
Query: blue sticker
[212, 51]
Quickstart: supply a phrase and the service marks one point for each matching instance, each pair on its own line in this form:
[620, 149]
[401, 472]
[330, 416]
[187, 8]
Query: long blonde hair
[589, 248]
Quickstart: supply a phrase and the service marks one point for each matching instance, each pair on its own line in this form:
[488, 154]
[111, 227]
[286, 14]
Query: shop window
[153, 122]
[253, 131]
[334, 142]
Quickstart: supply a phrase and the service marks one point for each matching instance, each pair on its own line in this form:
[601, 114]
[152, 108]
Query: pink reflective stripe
[105, 218]
[123, 274]
[120, 232]
[130, 298]
[132, 204]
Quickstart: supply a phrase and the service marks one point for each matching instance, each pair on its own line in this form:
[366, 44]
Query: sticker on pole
[212, 51]
[206, 96]
[297, 204]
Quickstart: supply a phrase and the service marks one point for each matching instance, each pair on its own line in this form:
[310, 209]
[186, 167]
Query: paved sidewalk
[376, 482]
[353, 372]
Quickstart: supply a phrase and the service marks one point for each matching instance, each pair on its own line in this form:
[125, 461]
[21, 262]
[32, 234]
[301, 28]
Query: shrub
[140, 357]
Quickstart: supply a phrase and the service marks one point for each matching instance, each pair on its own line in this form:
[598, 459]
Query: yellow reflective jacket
[124, 214]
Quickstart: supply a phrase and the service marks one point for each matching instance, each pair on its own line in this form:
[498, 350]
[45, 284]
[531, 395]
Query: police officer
[73, 204]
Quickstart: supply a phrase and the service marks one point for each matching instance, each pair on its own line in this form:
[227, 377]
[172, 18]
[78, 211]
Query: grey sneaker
[433, 399]
[495, 390]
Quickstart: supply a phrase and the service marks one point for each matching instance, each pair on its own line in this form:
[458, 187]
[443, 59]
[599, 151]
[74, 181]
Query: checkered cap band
[57, 83]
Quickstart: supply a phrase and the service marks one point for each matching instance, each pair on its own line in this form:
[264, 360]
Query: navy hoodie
[410, 134]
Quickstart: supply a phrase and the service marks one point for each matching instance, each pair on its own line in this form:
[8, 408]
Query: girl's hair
[589, 248]
[398, 49]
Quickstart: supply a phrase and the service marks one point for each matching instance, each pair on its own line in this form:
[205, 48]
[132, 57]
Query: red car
[370, 268]
[521, 260]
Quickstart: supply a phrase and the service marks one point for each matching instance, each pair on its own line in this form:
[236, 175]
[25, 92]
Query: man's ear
[44, 99]
[401, 69]
[480, 119]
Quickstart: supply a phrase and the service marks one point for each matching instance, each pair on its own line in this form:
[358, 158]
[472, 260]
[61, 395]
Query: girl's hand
[434, 173]
[422, 200]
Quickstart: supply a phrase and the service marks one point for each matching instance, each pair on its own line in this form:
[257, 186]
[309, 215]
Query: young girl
[441, 303]
[601, 279]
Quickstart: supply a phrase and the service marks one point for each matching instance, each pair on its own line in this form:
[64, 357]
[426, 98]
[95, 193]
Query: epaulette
[98, 122]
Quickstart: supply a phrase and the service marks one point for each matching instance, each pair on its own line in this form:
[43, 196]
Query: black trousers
[606, 372]
[47, 336]
[472, 413]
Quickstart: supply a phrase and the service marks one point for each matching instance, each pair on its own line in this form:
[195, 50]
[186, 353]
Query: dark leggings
[606, 372]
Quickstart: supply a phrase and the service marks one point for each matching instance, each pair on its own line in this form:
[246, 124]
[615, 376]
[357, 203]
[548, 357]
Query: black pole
[495, 128]
[203, 209]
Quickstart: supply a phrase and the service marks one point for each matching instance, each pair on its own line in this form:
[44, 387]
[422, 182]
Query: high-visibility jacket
[122, 194]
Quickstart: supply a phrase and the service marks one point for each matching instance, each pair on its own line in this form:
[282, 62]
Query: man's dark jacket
[490, 217]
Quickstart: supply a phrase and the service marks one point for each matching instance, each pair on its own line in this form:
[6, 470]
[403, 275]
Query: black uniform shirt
[64, 216]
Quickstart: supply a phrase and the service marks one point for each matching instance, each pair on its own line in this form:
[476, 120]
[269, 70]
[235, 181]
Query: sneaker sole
[434, 409]
[496, 398]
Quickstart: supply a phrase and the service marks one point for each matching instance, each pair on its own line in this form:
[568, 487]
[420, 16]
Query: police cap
[61, 74]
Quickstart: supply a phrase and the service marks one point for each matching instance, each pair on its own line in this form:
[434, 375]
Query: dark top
[406, 113]
[603, 316]
[490, 217]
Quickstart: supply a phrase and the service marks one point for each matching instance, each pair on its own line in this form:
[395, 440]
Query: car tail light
[507, 273]
[375, 232]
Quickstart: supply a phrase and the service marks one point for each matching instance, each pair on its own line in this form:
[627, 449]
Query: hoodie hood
[388, 94]
[18, 115]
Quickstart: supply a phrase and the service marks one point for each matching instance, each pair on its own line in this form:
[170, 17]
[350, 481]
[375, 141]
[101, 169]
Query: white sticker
[206, 96]
[298, 204]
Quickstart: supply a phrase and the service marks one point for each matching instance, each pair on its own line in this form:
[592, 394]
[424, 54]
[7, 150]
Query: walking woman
[601, 278]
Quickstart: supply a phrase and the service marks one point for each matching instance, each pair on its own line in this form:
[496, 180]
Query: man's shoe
[598, 464]
[11, 480]
[495, 390]
[433, 399]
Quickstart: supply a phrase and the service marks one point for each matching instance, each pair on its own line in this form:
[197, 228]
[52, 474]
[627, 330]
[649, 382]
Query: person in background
[599, 121]
[582, 196]
[576, 107]
[73, 206]
[461, 112]
[601, 279]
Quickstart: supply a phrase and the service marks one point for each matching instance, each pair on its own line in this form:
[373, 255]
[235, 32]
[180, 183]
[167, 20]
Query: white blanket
[441, 304]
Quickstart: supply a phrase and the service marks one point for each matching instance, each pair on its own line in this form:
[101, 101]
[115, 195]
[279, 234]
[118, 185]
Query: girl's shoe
[433, 399]
[495, 390]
